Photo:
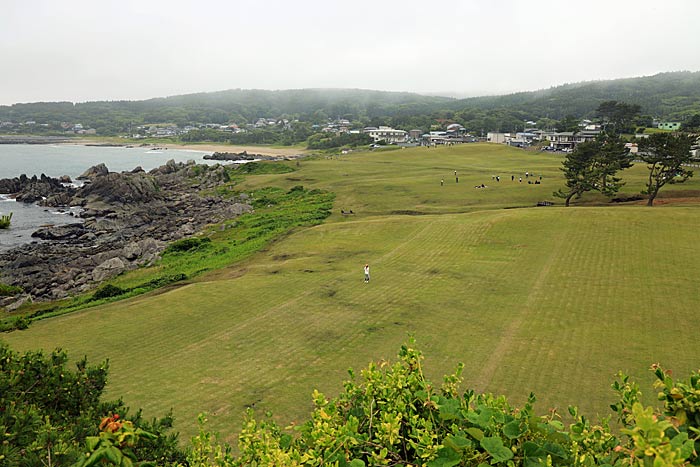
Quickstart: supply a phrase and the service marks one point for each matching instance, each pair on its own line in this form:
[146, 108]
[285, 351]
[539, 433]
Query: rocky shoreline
[240, 156]
[127, 219]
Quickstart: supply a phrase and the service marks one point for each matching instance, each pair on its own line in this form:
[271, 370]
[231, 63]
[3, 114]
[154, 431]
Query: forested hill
[236, 105]
[673, 96]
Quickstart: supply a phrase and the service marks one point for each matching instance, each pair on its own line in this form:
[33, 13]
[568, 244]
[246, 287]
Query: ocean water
[71, 160]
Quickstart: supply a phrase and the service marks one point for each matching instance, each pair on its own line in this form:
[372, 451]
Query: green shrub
[8, 290]
[107, 291]
[187, 244]
[391, 415]
[259, 168]
[163, 281]
[21, 323]
[5, 221]
[49, 411]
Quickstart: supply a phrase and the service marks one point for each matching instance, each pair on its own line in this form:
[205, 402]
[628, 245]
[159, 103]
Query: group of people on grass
[497, 178]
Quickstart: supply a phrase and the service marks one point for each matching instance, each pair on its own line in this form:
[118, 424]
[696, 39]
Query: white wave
[245, 162]
[198, 151]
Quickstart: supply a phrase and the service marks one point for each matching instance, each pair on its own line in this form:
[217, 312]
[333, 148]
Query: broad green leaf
[531, 449]
[357, 463]
[91, 442]
[682, 443]
[678, 440]
[285, 441]
[512, 430]
[484, 418]
[475, 433]
[458, 443]
[555, 450]
[449, 409]
[494, 446]
[114, 455]
[557, 424]
[95, 457]
[534, 462]
[447, 457]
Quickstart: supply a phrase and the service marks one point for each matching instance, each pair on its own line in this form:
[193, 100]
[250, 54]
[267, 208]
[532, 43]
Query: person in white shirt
[366, 273]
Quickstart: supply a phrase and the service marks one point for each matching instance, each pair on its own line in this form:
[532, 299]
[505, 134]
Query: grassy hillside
[550, 300]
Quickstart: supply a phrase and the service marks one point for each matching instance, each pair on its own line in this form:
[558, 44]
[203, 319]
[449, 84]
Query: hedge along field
[549, 300]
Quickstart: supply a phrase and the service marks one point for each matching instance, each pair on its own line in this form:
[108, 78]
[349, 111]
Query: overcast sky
[80, 50]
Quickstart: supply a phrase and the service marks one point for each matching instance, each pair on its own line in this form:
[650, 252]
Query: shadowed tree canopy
[665, 155]
[617, 116]
[592, 167]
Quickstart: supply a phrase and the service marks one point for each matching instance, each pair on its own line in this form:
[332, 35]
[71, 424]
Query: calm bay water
[71, 160]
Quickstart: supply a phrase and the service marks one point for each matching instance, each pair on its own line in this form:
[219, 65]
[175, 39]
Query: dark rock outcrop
[128, 219]
[61, 232]
[119, 188]
[93, 172]
[31, 190]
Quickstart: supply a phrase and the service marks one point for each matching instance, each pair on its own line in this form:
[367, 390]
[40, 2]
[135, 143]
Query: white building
[569, 140]
[493, 137]
[388, 134]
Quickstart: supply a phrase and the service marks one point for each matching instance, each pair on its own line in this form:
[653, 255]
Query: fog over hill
[674, 95]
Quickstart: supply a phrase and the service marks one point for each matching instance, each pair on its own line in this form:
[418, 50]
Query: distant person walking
[512, 178]
[442, 182]
[366, 273]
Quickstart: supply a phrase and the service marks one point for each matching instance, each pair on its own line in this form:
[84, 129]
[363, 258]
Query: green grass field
[551, 300]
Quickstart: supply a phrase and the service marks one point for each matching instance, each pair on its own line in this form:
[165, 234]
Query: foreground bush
[388, 416]
[391, 415]
[48, 412]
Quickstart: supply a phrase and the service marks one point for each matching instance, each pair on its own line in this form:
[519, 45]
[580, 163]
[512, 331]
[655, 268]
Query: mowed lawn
[549, 300]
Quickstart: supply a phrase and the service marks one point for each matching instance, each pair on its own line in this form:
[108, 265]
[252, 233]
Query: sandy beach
[288, 152]
[207, 147]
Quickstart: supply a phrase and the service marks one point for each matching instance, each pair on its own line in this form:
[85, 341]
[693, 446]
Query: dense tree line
[294, 133]
[328, 141]
[673, 96]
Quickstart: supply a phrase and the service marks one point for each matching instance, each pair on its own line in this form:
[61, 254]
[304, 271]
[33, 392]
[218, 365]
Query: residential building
[569, 140]
[415, 134]
[633, 147]
[494, 137]
[675, 126]
[388, 134]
